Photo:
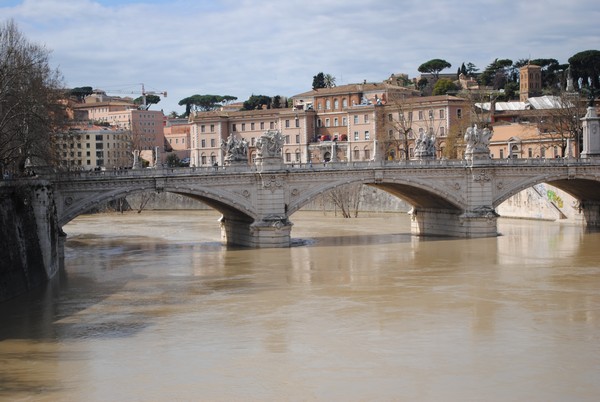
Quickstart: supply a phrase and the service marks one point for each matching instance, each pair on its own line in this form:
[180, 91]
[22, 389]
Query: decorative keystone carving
[271, 182]
[481, 177]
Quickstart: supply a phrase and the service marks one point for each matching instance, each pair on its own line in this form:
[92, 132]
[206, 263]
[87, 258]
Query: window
[442, 131]
[233, 127]
[336, 104]
[251, 126]
[297, 156]
[459, 113]
[356, 154]
[390, 117]
[212, 142]
[441, 114]
[344, 103]
[410, 116]
[202, 128]
[501, 153]
[262, 125]
[288, 157]
[203, 144]
[326, 122]
[327, 104]
[530, 152]
[430, 114]
[366, 118]
[367, 135]
[355, 119]
[335, 122]
[271, 125]
[367, 154]
[297, 122]
[356, 138]
[287, 124]
[420, 115]
[319, 122]
[297, 138]
[212, 128]
[243, 126]
[344, 121]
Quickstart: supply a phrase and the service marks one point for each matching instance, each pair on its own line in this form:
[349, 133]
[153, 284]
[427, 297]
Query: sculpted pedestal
[591, 134]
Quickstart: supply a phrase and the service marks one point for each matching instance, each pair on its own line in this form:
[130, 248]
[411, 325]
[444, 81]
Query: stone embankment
[29, 235]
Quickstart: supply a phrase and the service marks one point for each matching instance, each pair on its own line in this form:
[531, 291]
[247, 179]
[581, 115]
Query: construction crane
[144, 93]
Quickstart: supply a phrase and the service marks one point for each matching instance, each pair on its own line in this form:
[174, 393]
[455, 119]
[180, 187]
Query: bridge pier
[481, 222]
[591, 213]
[271, 232]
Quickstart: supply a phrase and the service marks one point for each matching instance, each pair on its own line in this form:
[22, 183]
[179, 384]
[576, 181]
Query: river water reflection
[152, 307]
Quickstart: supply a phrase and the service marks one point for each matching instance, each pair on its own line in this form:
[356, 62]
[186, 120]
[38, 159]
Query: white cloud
[271, 47]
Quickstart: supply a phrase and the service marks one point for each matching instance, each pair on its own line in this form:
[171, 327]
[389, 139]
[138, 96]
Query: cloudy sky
[275, 47]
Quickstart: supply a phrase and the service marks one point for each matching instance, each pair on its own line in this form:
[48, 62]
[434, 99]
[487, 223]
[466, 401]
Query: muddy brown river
[152, 307]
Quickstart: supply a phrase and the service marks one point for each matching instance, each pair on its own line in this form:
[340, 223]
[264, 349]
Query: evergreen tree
[319, 81]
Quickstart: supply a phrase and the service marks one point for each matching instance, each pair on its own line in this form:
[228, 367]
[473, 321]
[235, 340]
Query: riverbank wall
[31, 248]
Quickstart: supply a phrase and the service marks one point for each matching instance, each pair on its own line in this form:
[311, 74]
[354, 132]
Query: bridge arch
[419, 193]
[232, 206]
[586, 187]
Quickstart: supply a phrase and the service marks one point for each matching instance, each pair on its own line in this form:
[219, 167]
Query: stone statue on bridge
[269, 155]
[425, 147]
[477, 142]
[236, 151]
[270, 144]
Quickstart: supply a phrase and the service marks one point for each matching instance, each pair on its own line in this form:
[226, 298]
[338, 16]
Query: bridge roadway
[449, 197]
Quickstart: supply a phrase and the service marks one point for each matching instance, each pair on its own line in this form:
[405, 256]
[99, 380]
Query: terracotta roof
[352, 88]
[100, 104]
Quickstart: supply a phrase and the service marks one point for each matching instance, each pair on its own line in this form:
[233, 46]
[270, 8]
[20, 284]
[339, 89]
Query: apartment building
[527, 140]
[177, 136]
[146, 126]
[355, 122]
[444, 117]
[210, 129]
[88, 147]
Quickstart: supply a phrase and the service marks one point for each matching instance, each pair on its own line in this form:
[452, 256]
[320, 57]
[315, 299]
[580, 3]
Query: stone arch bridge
[449, 198]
